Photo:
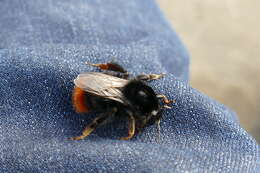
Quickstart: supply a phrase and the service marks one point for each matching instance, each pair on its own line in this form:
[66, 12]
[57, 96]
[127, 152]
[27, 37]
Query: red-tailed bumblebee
[112, 94]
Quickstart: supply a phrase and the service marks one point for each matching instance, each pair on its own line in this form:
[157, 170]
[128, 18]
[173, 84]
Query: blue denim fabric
[43, 47]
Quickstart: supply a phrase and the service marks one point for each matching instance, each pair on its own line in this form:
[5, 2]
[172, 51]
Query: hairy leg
[131, 128]
[112, 68]
[102, 119]
[166, 101]
[149, 77]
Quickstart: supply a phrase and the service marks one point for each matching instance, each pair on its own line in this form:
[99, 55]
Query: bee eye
[142, 94]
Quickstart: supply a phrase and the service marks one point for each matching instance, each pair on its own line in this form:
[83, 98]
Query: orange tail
[78, 100]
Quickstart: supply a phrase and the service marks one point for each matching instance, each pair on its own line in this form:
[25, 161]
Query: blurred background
[223, 39]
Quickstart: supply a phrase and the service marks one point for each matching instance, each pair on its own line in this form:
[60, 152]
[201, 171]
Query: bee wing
[102, 85]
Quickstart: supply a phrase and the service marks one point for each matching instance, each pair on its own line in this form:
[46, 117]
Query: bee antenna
[87, 63]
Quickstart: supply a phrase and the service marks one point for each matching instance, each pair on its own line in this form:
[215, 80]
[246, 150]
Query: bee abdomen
[79, 100]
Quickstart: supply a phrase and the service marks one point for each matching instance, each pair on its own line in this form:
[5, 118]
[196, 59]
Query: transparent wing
[102, 85]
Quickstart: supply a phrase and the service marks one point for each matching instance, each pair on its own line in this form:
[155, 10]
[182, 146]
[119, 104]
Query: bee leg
[131, 128]
[166, 101]
[148, 77]
[109, 66]
[158, 129]
[92, 126]
[114, 67]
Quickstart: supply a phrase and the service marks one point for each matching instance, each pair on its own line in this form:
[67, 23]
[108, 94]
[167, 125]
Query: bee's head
[141, 96]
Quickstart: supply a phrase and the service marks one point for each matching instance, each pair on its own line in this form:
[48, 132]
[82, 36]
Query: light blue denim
[43, 47]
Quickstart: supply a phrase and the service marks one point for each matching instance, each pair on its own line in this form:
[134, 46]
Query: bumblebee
[113, 93]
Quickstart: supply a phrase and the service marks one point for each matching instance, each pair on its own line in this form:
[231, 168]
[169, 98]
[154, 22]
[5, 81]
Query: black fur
[146, 101]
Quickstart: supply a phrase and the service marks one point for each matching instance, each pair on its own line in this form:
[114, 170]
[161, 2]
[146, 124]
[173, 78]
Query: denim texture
[43, 47]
